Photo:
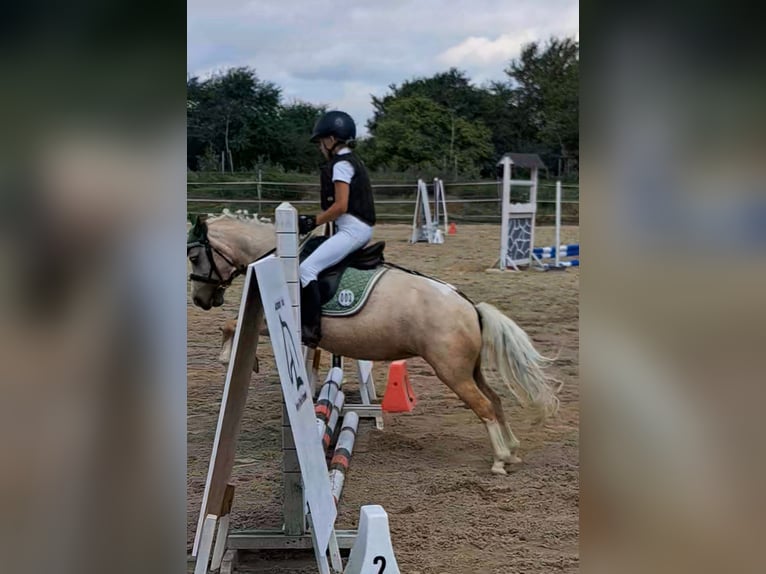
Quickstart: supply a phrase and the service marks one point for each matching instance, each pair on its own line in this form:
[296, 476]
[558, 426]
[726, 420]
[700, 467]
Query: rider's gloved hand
[306, 223]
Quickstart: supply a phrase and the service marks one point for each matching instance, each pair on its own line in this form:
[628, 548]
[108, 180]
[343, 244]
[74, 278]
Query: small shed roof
[525, 160]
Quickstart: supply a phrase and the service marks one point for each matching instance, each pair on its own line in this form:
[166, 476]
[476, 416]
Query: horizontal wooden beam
[364, 411]
[277, 540]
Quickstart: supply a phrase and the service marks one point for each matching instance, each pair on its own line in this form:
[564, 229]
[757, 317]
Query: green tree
[494, 105]
[442, 123]
[234, 113]
[452, 90]
[510, 126]
[545, 81]
[196, 132]
[416, 132]
[296, 152]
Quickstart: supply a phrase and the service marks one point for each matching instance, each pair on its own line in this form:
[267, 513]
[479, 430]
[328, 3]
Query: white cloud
[355, 99]
[481, 51]
[338, 53]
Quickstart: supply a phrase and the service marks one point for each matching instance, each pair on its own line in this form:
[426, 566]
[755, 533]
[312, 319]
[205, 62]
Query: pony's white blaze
[408, 316]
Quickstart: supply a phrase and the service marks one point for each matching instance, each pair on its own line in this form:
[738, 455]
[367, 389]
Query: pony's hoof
[499, 468]
[511, 459]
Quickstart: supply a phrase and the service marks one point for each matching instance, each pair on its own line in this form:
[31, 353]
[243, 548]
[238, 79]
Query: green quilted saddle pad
[354, 290]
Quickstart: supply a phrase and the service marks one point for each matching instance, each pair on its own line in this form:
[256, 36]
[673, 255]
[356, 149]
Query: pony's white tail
[507, 348]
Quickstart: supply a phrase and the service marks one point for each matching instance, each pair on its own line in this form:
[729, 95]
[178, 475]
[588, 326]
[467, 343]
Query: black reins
[219, 282]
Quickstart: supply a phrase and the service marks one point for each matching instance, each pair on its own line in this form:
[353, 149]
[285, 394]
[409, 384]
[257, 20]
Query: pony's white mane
[244, 238]
[239, 215]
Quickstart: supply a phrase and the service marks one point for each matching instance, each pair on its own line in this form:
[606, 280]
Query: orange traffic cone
[452, 229]
[399, 397]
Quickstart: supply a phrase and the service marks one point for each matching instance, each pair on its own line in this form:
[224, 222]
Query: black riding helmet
[334, 123]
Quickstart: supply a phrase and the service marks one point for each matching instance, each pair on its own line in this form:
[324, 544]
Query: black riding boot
[311, 315]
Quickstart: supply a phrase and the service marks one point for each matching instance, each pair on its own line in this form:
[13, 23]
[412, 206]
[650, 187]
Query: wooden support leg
[223, 528]
[313, 357]
[321, 556]
[206, 544]
[232, 403]
[229, 562]
[367, 388]
[293, 505]
[335, 559]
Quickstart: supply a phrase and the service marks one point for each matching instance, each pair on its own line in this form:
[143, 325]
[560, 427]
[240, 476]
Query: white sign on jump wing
[297, 392]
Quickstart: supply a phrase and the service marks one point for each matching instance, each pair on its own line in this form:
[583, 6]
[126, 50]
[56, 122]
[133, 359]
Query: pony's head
[212, 268]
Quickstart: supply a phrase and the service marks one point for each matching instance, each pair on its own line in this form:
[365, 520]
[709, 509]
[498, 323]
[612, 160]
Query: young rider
[346, 200]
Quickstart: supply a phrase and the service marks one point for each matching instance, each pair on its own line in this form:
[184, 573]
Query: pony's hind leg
[468, 391]
[510, 439]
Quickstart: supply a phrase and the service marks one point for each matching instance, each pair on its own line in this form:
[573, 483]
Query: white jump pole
[558, 220]
[444, 205]
[440, 204]
[505, 210]
[286, 217]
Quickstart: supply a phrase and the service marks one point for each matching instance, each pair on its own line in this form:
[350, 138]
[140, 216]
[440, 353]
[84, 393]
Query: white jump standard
[424, 227]
[557, 251]
[310, 500]
[517, 235]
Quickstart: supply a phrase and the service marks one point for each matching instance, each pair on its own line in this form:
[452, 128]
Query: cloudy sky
[338, 53]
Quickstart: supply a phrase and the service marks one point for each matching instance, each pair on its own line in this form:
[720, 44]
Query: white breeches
[350, 235]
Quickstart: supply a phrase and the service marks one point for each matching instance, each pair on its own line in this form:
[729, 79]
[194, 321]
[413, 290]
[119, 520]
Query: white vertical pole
[286, 217]
[436, 202]
[426, 210]
[505, 211]
[558, 220]
[440, 205]
[286, 220]
[533, 201]
[260, 212]
[444, 205]
[415, 217]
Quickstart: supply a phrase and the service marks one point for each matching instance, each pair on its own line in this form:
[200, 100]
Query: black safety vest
[360, 200]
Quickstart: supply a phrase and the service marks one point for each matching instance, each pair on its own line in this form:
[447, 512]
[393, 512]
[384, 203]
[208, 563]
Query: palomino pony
[406, 316]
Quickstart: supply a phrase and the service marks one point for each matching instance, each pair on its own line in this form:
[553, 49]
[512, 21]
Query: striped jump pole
[332, 423]
[572, 250]
[552, 252]
[342, 455]
[330, 388]
[563, 250]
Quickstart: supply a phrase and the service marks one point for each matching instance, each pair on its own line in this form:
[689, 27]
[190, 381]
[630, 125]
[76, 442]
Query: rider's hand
[306, 223]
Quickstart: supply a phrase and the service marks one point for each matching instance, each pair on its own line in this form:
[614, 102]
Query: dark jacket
[360, 201]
